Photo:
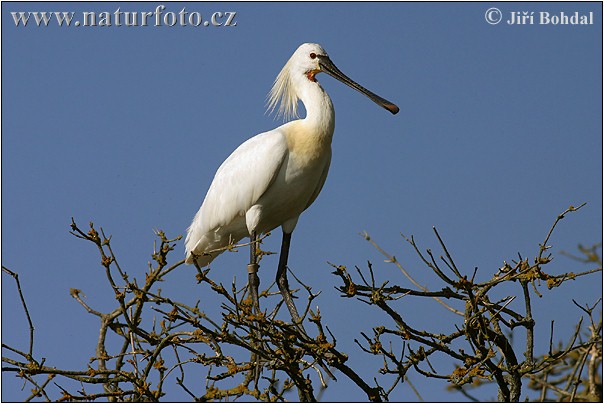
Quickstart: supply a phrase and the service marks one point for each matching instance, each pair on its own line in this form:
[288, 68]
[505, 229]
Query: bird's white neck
[320, 114]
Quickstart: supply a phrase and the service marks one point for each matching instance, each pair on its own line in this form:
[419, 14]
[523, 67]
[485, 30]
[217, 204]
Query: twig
[31, 325]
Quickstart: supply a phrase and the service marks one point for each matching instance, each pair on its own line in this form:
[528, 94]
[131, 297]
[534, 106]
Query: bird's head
[309, 60]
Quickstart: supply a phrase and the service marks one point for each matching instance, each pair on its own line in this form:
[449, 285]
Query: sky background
[499, 131]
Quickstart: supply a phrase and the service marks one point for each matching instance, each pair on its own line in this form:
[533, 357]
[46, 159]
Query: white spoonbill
[273, 177]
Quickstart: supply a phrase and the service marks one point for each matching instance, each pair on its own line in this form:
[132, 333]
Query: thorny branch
[149, 340]
[481, 343]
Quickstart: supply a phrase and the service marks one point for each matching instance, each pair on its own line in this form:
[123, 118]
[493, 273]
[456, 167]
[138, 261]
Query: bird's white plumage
[273, 177]
[266, 182]
[238, 184]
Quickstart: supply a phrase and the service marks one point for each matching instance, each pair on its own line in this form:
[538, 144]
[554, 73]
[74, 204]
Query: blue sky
[499, 131]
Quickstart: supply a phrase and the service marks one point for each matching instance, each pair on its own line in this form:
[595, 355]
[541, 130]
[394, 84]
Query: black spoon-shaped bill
[328, 67]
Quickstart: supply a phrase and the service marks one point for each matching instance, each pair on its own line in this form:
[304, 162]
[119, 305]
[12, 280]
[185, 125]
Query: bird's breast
[309, 151]
[298, 182]
[308, 144]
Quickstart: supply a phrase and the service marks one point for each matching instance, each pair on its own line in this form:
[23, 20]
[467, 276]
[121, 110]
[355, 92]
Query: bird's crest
[284, 94]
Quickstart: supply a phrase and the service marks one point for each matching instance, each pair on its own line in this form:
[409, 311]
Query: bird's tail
[208, 247]
[203, 252]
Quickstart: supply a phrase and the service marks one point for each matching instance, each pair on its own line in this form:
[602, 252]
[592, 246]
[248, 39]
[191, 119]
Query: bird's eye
[313, 55]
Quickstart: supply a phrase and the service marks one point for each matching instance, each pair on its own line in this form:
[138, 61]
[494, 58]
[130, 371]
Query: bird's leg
[252, 285]
[282, 278]
[252, 270]
[287, 297]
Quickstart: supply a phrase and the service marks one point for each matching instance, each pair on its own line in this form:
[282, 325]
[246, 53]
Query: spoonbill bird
[273, 177]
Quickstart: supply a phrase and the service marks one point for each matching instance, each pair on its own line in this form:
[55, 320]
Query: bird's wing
[238, 184]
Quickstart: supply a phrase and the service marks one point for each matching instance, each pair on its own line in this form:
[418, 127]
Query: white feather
[283, 93]
[238, 184]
